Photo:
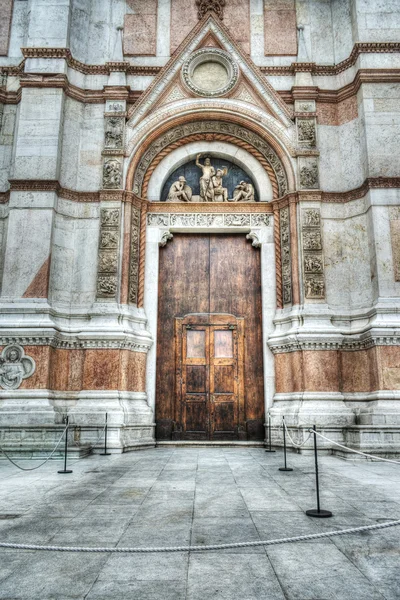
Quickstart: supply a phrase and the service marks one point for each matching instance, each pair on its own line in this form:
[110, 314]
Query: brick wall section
[6, 9]
[337, 114]
[280, 28]
[140, 28]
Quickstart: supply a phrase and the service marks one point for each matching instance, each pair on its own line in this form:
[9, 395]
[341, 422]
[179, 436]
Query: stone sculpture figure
[14, 367]
[219, 193]
[180, 191]
[205, 180]
[211, 189]
[244, 192]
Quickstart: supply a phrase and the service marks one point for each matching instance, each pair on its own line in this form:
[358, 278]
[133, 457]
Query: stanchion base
[285, 469]
[62, 472]
[322, 514]
[270, 450]
[105, 454]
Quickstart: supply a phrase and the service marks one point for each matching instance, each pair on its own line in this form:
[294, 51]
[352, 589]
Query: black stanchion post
[317, 512]
[269, 449]
[105, 453]
[285, 468]
[65, 470]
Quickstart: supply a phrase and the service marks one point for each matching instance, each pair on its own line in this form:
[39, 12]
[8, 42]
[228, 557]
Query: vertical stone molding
[284, 221]
[107, 272]
[313, 260]
[134, 256]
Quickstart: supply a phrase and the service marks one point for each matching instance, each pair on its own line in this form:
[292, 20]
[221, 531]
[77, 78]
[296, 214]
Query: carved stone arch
[230, 128]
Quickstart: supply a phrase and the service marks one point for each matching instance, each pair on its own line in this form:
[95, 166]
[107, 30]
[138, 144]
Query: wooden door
[210, 275]
[209, 376]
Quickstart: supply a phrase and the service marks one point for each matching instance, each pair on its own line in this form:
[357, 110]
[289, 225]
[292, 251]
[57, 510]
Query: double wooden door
[209, 376]
[209, 283]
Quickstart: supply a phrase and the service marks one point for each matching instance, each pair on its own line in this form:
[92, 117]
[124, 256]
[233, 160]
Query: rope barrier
[395, 462]
[289, 540]
[296, 444]
[37, 466]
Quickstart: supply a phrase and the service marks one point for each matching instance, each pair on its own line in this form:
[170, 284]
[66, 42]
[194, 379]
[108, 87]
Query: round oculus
[210, 72]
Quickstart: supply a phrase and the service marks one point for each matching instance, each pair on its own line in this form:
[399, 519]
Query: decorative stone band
[72, 343]
[343, 343]
[45, 185]
[206, 220]
[104, 69]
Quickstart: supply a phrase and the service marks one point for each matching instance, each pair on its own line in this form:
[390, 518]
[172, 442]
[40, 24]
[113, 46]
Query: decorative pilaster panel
[114, 138]
[134, 256]
[284, 220]
[107, 273]
[394, 217]
[313, 261]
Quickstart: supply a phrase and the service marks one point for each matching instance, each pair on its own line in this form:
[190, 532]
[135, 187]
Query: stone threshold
[209, 443]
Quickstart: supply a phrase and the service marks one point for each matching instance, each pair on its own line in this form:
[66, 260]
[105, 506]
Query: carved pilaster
[284, 220]
[107, 270]
[134, 256]
[313, 261]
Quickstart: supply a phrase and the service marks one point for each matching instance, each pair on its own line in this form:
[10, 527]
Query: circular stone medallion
[210, 72]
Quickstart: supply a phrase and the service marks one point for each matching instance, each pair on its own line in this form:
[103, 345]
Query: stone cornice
[75, 344]
[314, 69]
[50, 185]
[345, 344]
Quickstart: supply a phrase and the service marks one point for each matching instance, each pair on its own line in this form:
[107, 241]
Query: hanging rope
[42, 463]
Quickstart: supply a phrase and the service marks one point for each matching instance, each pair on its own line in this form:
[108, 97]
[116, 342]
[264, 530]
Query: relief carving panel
[14, 367]
[313, 262]
[107, 269]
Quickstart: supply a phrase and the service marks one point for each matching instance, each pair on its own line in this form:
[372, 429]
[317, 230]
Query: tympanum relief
[180, 191]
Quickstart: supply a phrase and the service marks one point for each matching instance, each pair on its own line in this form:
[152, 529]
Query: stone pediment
[209, 65]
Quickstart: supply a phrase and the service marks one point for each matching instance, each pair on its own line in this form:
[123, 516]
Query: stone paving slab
[176, 496]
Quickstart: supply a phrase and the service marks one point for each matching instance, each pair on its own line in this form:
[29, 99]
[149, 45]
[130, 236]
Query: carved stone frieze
[306, 132]
[107, 269]
[205, 220]
[309, 178]
[220, 127]
[304, 106]
[14, 367]
[313, 262]
[114, 133]
[112, 173]
[284, 220]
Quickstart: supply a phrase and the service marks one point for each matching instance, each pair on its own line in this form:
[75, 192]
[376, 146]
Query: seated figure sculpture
[244, 192]
[180, 191]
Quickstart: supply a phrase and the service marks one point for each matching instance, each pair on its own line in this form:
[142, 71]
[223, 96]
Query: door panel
[208, 275]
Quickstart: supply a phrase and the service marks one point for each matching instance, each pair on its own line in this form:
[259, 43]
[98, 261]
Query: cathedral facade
[199, 221]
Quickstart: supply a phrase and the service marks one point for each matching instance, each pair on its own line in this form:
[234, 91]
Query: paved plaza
[174, 496]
